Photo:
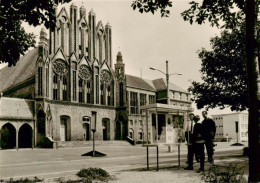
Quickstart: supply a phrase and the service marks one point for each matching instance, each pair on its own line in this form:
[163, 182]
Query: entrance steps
[70, 144]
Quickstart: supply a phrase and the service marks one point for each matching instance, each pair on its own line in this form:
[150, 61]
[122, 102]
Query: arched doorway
[131, 133]
[40, 125]
[25, 136]
[118, 130]
[106, 128]
[41, 122]
[65, 128]
[8, 136]
[86, 126]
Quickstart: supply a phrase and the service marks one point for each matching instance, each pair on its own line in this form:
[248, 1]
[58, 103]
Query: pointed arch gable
[105, 66]
[84, 61]
[83, 20]
[59, 55]
[95, 63]
[63, 13]
[39, 60]
[73, 57]
[100, 27]
[40, 107]
[47, 60]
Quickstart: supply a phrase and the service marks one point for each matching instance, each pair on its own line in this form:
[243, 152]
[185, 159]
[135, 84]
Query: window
[74, 85]
[121, 94]
[151, 99]
[131, 122]
[88, 92]
[40, 80]
[133, 103]
[140, 135]
[142, 99]
[74, 81]
[97, 84]
[108, 95]
[64, 88]
[131, 135]
[102, 94]
[80, 90]
[47, 81]
[140, 122]
[55, 90]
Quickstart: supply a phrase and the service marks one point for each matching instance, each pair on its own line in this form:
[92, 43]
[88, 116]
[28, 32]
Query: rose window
[60, 67]
[105, 77]
[84, 72]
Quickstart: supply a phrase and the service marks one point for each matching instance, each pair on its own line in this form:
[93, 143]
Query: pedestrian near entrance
[210, 131]
[190, 144]
[198, 145]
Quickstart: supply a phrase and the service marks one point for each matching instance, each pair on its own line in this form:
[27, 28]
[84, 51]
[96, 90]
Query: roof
[151, 85]
[137, 82]
[17, 108]
[229, 114]
[22, 71]
[160, 84]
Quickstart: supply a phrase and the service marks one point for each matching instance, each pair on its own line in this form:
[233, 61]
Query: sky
[147, 40]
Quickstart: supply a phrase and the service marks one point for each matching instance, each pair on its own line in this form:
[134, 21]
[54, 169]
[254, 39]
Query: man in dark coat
[198, 144]
[210, 131]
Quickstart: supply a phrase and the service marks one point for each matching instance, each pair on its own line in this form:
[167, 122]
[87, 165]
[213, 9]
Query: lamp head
[152, 68]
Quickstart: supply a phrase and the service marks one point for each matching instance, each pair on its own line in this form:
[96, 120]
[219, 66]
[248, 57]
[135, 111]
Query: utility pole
[167, 82]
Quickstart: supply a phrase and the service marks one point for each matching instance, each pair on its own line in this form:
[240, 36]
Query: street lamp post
[167, 79]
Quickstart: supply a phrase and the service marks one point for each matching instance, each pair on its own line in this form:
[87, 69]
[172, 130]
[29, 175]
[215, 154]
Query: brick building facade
[70, 83]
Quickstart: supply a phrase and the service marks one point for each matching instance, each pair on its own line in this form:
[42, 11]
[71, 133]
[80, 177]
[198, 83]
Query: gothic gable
[59, 55]
[47, 60]
[84, 61]
[100, 29]
[63, 16]
[73, 57]
[39, 60]
[83, 23]
[95, 63]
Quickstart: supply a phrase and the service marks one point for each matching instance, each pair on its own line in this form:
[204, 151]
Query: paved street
[59, 162]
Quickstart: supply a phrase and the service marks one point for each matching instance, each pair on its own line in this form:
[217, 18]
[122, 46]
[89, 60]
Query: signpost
[93, 125]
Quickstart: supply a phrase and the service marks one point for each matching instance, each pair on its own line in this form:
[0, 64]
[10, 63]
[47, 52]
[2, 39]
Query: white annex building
[226, 126]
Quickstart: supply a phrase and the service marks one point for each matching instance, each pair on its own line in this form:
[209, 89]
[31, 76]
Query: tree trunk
[253, 128]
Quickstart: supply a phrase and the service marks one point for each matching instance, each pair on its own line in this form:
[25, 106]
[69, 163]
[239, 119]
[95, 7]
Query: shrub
[227, 174]
[25, 180]
[94, 174]
[45, 143]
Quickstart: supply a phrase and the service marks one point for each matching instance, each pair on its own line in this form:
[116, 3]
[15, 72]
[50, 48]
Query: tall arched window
[47, 80]
[80, 90]
[40, 79]
[108, 95]
[74, 81]
[102, 94]
[88, 92]
[86, 42]
[121, 94]
[97, 84]
[55, 88]
[64, 88]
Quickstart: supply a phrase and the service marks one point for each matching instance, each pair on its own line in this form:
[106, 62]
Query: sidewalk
[119, 162]
[171, 174]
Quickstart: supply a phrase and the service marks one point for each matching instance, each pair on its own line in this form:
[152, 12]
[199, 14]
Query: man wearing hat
[198, 141]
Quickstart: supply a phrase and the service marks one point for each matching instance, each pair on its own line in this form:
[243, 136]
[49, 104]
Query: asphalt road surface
[59, 162]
